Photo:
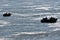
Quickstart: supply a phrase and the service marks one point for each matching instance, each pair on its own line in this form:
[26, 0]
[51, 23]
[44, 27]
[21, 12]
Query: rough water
[24, 24]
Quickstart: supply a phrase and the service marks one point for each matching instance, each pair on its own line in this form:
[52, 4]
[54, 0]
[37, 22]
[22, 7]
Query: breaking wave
[30, 34]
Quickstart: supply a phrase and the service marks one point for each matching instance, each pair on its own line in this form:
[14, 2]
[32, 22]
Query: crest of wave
[18, 34]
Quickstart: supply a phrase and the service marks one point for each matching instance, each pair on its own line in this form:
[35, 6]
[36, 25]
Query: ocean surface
[25, 21]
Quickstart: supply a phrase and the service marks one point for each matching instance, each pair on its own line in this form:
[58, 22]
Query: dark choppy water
[24, 24]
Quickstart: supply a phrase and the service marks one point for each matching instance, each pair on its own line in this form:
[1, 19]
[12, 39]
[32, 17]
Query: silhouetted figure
[7, 14]
[51, 20]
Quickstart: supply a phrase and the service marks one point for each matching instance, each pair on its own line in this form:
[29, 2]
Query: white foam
[56, 29]
[31, 33]
[45, 8]
[21, 14]
[3, 23]
[54, 25]
[55, 16]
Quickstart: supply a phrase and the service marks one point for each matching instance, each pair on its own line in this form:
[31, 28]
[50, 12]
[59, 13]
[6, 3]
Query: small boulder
[50, 20]
[7, 14]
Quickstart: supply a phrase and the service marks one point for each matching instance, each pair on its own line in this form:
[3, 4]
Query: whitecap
[49, 16]
[44, 8]
[30, 33]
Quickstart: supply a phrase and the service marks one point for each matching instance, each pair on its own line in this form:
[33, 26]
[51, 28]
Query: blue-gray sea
[25, 21]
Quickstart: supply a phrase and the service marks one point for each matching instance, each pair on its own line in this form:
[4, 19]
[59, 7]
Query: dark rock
[51, 20]
[7, 14]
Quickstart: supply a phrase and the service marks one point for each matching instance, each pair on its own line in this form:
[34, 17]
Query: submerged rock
[51, 20]
[7, 14]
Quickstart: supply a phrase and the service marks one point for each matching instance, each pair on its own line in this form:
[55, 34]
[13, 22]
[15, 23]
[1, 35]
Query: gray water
[24, 24]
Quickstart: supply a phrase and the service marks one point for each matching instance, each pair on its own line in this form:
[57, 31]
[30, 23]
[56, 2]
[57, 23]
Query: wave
[2, 39]
[3, 23]
[38, 16]
[29, 6]
[57, 29]
[31, 33]
[31, 14]
[5, 5]
[56, 25]
[44, 8]
[20, 14]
